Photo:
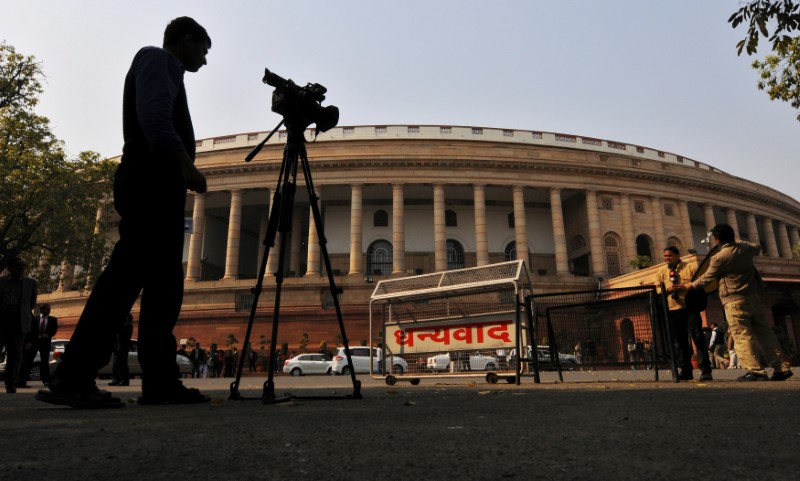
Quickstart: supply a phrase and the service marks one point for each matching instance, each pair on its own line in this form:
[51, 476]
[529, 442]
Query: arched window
[379, 258]
[674, 241]
[455, 255]
[450, 218]
[643, 244]
[611, 243]
[511, 251]
[380, 219]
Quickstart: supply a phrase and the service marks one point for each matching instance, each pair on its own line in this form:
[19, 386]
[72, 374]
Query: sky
[663, 74]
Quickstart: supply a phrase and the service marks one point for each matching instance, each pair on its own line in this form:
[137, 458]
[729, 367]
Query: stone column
[752, 228]
[262, 233]
[481, 237]
[294, 238]
[658, 225]
[194, 263]
[274, 251]
[398, 230]
[439, 229]
[356, 219]
[98, 228]
[686, 226]
[783, 237]
[730, 217]
[708, 211]
[769, 233]
[234, 233]
[67, 277]
[628, 241]
[520, 225]
[559, 236]
[313, 268]
[595, 236]
[795, 236]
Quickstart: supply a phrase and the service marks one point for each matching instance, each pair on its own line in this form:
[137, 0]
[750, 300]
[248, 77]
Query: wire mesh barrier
[599, 329]
[465, 322]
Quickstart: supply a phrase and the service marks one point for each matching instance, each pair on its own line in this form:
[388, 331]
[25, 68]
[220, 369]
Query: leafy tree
[303, 341]
[231, 341]
[779, 72]
[641, 262]
[796, 251]
[49, 201]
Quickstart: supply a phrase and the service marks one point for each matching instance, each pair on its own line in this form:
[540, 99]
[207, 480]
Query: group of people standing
[23, 334]
[733, 267]
[216, 362]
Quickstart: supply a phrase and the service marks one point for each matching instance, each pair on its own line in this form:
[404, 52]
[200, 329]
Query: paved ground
[601, 425]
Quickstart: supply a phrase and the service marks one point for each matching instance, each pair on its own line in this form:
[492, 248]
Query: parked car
[568, 361]
[307, 364]
[56, 348]
[439, 363]
[184, 363]
[482, 362]
[360, 357]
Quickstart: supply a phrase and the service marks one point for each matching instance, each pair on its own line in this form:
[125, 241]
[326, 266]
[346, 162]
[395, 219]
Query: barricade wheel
[491, 378]
[391, 380]
[414, 381]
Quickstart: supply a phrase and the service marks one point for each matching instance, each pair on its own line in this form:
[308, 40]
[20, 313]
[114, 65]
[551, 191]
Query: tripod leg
[335, 291]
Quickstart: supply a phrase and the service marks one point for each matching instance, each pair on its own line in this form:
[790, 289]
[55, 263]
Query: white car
[360, 357]
[439, 363]
[307, 364]
[482, 362]
[56, 349]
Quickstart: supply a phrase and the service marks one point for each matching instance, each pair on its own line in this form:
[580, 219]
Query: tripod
[280, 220]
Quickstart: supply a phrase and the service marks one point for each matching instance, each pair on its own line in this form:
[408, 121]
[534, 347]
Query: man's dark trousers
[149, 195]
[687, 324]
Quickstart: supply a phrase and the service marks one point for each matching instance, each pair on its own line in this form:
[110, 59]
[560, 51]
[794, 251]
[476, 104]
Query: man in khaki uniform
[738, 290]
[685, 323]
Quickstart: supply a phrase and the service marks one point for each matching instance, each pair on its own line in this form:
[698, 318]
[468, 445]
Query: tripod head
[301, 106]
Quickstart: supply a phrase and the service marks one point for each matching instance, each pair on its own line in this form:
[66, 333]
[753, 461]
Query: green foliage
[49, 202]
[303, 341]
[641, 262]
[796, 251]
[231, 340]
[779, 72]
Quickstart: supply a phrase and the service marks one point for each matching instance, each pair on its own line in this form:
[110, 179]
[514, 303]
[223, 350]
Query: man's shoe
[706, 376]
[751, 376]
[179, 394]
[79, 397]
[781, 375]
[685, 376]
[22, 385]
[11, 389]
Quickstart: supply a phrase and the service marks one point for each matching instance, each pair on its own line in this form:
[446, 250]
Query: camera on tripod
[301, 106]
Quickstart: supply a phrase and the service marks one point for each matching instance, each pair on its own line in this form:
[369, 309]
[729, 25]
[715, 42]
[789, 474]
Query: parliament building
[403, 200]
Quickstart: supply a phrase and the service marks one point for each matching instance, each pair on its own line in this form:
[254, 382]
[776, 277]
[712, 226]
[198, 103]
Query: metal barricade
[465, 322]
[599, 329]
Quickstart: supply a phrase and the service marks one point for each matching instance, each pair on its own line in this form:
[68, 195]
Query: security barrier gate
[465, 322]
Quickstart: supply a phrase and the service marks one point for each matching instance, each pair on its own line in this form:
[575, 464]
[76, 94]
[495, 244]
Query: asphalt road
[595, 425]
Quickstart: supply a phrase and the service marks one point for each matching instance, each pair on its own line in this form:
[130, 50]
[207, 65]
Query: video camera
[301, 105]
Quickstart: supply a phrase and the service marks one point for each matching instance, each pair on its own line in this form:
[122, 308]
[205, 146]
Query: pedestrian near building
[47, 327]
[17, 301]
[686, 323]
[156, 168]
[739, 284]
[733, 359]
[717, 346]
[120, 372]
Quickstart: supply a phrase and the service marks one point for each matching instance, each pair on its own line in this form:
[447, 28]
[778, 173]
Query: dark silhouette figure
[156, 168]
[121, 374]
[17, 300]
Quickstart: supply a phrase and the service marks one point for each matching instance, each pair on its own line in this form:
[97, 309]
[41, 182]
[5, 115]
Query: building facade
[402, 200]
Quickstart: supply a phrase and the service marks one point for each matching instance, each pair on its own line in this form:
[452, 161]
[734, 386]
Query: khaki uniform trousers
[749, 326]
